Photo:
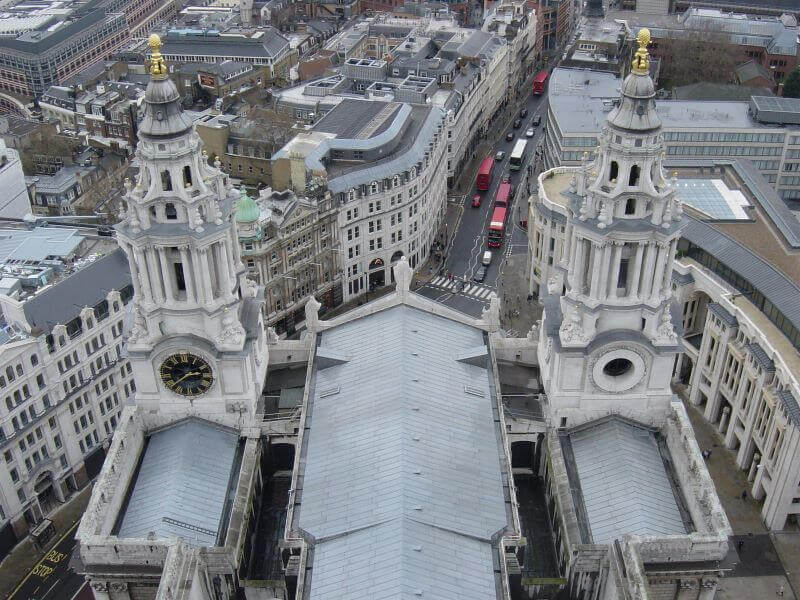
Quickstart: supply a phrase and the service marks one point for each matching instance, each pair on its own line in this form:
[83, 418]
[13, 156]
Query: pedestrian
[744, 494]
[740, 545]
[530, 297]
[705, 454]
[780, 590]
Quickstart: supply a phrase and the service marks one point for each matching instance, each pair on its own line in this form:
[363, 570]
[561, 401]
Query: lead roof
[402, 490]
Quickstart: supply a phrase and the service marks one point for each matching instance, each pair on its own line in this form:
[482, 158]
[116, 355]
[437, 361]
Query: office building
[63, 375]
[692, 128]
[16, 203]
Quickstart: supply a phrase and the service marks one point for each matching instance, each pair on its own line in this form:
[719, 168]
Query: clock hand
[189, 374]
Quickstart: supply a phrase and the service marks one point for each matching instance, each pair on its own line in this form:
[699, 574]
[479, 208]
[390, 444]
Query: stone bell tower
[196, 340]
[609, 310]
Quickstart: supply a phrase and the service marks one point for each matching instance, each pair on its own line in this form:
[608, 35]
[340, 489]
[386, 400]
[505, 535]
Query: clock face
[186, 374]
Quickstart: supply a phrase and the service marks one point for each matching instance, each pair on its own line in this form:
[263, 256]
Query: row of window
[715, 136]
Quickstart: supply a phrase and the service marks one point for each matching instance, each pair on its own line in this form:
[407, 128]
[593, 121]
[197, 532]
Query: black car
[517, 123]
[537, 119]
[523, 113]
[480, 274]
[510, 136]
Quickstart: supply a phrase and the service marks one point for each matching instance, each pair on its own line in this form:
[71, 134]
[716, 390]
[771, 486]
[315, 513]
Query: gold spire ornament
[158, 68]
[641, 60]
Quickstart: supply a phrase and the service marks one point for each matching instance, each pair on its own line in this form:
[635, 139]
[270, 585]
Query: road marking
[50, 589]
[41, 560]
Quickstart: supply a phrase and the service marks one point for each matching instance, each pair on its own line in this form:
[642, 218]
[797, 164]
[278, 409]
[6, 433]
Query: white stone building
[63, 375]
[15, 203]
[383, 164]
[515, 21]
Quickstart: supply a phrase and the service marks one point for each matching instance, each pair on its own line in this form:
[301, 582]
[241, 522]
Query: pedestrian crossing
[457, 286]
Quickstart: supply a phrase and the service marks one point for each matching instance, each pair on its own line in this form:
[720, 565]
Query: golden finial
[641, 60]
[158, 68]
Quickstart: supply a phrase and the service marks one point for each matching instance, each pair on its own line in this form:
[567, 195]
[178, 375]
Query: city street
[52, 578]
[468, 243]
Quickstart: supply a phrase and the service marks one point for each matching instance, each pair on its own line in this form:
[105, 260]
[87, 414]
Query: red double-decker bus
[539, 82]
[497, 227]
[484, 178]
[503, 195]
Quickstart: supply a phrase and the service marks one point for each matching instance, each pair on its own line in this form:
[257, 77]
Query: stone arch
[613, 171]
[187, 176]
[633, 177]
[166, 181]
[630, 206]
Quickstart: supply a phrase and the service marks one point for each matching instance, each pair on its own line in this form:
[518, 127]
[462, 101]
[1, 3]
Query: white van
[487, 258]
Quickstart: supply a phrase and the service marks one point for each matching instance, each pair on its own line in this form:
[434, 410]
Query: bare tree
[692, 56]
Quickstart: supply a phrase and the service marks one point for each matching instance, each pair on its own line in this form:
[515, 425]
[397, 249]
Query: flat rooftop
[358, 119]
[185, 476]
[619, 477]
[404, 488]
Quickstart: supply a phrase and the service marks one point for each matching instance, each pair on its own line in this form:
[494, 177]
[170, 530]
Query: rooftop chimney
[594, 8]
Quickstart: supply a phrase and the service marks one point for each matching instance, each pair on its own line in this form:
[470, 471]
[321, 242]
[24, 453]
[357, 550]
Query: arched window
[633, 179]
[9, 404]
[630, 206]
[166, 181]
[614, 171]
[187, 175]
[373, 187]
[413, 172]
[10, 373]
[395, 181]
[351, 195]
[170, 212]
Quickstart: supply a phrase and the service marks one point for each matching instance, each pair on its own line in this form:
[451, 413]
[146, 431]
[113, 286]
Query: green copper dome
[247, 210]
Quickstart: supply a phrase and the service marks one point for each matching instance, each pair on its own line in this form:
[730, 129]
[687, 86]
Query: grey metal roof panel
[388, 167]
[402, 451]
[682, 278]
[88, 286]
[723, 314]
[182, 484]
[774, 285]
[761, 356]
[624, 482]
[33, 246]
[790, 406]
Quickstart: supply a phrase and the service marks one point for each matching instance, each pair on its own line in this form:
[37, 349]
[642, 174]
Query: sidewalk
[517, 313]
[24, 556]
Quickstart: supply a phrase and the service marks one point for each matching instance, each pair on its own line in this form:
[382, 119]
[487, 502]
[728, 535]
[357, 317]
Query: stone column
[637, 270]
[668, 266]
[165, 270]
[723, 420]
[572, 261]
[141, 274]
[155, 274]
[597, 269]
[687, 589]
[751, 474]
[658, 278]
[708, 588]
[137, 288]
[99, 590]
[568, 243]
[218, 256]
[188, 276]
[614, 272]
[604, 267]
[205, 274]
[649, 263]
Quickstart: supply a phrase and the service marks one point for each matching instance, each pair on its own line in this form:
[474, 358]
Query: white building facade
[65, 381]
[15, 203]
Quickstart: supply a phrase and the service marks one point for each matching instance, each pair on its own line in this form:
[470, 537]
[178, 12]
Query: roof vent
[329, 392]
[416, 438]
[417, 548]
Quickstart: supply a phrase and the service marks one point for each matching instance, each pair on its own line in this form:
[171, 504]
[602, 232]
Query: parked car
[537, 119]
[530, 132]
[523, 113]
[517, 123]
[480, 274]
[476, 201]
[500, 156]
[510, 136]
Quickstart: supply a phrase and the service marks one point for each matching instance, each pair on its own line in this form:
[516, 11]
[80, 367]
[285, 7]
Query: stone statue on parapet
[312, 314]
[402, 275]
[491, 314]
